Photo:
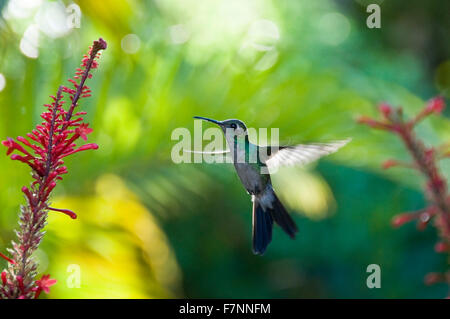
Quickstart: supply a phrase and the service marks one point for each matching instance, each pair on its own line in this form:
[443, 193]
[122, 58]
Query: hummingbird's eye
[233, 126]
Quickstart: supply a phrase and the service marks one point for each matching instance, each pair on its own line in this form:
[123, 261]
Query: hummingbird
[253, 164]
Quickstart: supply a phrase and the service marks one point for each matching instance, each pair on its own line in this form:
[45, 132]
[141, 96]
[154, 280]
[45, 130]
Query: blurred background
[149, 228]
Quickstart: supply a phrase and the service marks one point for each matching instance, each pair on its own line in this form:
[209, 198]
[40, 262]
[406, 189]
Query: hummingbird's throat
[237, 132]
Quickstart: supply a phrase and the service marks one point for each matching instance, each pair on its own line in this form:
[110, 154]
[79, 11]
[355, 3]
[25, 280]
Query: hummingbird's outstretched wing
[302, 154]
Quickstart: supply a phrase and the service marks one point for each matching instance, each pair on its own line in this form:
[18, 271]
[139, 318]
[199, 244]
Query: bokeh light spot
[20, 9]
[334, 28]
[2, 82]
[178, 34]
[130, 43]
[30, 41]
[263, 34]
[259, 45]
[267, 61]
[52, 19]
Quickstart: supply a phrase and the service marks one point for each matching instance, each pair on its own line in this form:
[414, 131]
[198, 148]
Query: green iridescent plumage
[253, 164]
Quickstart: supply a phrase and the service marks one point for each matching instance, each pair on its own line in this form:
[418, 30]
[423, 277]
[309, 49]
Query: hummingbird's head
[233, 126]
[236, 127]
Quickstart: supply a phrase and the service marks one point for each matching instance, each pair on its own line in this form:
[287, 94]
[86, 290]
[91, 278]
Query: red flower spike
[424, 161]
[43, 150]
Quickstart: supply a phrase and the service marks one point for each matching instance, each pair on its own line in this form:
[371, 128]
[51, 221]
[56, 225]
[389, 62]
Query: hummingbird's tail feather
[282, 217]
[262, 228]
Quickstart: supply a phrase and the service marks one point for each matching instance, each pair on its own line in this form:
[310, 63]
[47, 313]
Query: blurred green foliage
[150, 228]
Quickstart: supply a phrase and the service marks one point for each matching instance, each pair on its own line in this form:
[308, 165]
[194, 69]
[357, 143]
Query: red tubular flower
[4, 280]
[400, 220]
[390, 163]
[44, 284]
[424, 160]
[83, 130]
[7, 258]
[435, 105]
[68, 212]
[433, 278]
[20, 282]
[43, 151]
[386, 110]
[374, 123]
[394, 163]
[442, 247]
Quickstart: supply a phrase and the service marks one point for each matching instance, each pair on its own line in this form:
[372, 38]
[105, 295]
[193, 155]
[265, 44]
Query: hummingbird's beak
[209, 120]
